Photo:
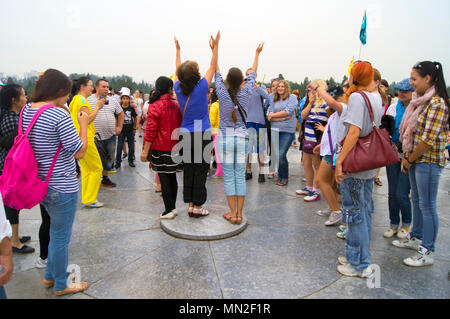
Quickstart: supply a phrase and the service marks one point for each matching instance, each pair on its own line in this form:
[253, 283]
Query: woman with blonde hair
[282, 115]
[315, 115]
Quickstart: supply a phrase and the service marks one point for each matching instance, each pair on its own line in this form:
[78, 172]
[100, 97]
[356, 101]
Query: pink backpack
[20, 185]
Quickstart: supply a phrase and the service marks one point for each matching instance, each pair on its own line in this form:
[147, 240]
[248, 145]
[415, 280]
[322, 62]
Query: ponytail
[78, 83]
[441, 87]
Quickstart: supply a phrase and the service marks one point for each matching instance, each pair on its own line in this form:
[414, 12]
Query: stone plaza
[281, 251]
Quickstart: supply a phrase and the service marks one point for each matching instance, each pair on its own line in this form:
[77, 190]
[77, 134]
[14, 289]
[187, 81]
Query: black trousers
[44, 233]
[196, 167]
[169, 189]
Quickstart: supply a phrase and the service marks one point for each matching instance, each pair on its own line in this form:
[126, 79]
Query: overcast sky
[315, 38]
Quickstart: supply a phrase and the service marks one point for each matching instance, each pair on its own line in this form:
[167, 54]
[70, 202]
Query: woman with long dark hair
[163, 119]
[191, 90]
[53, 129]
[12, 100]
[233, 134]
[423, 133]
[91, 164]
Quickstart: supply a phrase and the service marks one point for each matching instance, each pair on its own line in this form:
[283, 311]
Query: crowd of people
[185, 121]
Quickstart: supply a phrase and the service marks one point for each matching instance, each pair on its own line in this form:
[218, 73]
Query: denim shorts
[328, 159]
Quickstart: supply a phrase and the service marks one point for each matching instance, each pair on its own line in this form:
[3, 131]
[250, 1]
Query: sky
[314, 38]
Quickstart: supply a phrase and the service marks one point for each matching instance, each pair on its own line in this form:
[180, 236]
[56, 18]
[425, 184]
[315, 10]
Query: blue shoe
[217, 177]
[95, 205]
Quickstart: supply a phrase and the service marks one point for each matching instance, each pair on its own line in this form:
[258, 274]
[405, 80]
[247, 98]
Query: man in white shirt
[107, 127]
[6, 262]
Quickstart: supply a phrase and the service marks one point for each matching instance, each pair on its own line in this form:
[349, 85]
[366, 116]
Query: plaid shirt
[8, 127]
[432, 129]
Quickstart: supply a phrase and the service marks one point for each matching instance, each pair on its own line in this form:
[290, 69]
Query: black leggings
[169, 189]
[44, 233]
[12, 215]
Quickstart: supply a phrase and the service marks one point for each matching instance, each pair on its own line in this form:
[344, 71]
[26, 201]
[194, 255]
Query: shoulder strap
[35, 117]
[185, 107]
[242, 112]
[369, 106]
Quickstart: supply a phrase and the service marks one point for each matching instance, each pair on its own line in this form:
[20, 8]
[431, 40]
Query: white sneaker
[349, 271]
[390, 233]
[408, 242]
[95, 205]
[343, 260]
[402, 233]
[422, 258]
[335, 218]
[324, 213]
[303, 192]
[41, 263]
[343, 227]
[314, 196]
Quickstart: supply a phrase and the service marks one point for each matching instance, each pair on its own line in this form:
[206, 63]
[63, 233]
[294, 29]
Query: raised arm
[256, 60]
[214, 65]
[327, 97]
[177, 58]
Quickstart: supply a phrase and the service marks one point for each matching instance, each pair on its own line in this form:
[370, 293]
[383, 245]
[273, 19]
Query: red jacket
[163, 118]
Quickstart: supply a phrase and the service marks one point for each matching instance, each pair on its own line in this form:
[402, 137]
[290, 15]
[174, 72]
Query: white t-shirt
[139, 102]
[334, 122]
[358, 115]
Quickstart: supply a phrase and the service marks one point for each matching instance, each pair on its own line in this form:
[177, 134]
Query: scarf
[410, 121]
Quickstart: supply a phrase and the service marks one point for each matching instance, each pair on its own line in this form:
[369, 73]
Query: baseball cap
[404, 86]
[335, 91]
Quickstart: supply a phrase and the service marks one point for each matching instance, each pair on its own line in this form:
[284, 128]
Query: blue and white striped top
[315, 116]
[53, 127]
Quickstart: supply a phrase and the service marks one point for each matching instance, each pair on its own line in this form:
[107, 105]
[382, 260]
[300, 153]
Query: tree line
[117, 82]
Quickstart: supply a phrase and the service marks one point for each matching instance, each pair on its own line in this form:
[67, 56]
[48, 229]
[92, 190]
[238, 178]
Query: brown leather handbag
[372, 151]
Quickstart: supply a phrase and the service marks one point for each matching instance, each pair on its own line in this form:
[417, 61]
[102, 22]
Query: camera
[104, 98]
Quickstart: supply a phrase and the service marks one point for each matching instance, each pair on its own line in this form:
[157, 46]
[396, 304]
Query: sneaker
[343, 260]
[106, 182]
[390, 233]
[349, 271]
[314, 196]
[41, 263]
[343, 228]
[422, 258]
[403, 233]
[132, 164]
[117, 166]
[408, 242]
[324, 213]
[304, 180]
[270, 176]
[95, 205]
[342, 235]
[335, 218]
[217, 177]
[303, 192]
[124, 155]
[169, 216]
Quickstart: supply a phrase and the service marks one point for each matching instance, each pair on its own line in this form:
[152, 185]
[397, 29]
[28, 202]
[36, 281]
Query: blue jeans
[285, 141]
[399, 188]
[61, 208]
[2, 293]
[424, 178]
[357, 207]
[110, 144]
[233, 154]
[130, 139]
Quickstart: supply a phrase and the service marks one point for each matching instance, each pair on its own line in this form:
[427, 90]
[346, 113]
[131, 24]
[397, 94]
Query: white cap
[125, 91]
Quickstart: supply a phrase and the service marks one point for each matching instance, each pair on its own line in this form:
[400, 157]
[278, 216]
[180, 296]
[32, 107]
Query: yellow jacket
[214, 117]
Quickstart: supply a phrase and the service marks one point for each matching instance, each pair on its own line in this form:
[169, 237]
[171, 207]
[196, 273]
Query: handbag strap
[185, 107]
[369, 107]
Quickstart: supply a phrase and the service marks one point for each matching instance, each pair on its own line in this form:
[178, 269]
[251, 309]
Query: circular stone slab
[211, 227]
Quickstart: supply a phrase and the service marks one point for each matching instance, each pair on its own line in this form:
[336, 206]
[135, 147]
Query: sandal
[202, 212]
[378, 182]
[73, 288]
[228, 216]
[51, 283]
[191, 212]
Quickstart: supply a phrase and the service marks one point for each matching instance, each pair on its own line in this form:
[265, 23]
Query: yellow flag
[172, 77]
[350, 66]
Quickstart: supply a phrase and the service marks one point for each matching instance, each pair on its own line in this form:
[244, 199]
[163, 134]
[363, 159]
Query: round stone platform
[211, 227]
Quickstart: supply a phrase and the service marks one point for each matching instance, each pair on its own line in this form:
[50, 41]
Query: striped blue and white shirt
[315, 116]
[54, 126]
